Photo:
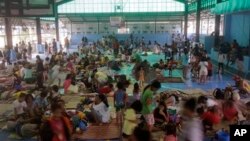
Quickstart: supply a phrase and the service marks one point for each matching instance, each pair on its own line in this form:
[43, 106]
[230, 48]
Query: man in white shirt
[221, 60]
[19, 106]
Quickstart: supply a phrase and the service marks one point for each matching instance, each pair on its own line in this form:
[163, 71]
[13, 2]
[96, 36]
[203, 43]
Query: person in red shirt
[229, 111]
[70, 66]
[67, 83]
[57, 127]
[211, 117]
[106, 89]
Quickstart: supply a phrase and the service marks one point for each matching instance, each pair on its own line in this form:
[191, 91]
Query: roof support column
[186, 20]
[57, 28]
[8, 27]
[8, 32]
[217, 28]
[198, 17]
[57, 24]
[38, 31]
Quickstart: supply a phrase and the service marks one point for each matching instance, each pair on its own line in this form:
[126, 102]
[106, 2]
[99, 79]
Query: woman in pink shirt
[67, 83]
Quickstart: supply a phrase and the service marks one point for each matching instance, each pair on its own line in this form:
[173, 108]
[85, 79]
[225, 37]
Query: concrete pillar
[186, 20]
[217, 27]
[227, 28]
[8, 32]
[217, 30]
[38, 31]
[57, 28]
[198, 17]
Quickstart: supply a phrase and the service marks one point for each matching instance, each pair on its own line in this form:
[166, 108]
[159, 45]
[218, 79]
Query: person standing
[147, 103]
[46, 47]
[119, 102]
[39, 71]
[203, 70]
[54, 46]
[221, 59]
[29, 50]
[16, 48]
[116, 47]
[66, 44]
[13, 57]
[141, 77]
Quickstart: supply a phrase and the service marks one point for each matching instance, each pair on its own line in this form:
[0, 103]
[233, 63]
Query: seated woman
[100, 109]
[161, 116]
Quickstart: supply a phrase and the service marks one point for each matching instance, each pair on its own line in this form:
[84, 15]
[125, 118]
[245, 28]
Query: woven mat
[172, 80]
[102, 132]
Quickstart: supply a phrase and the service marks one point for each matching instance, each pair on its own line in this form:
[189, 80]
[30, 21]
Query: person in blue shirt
[41, 102]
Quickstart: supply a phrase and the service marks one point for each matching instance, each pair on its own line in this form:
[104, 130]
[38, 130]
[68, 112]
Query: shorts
[119, 107]
[150, 119]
